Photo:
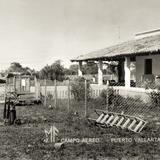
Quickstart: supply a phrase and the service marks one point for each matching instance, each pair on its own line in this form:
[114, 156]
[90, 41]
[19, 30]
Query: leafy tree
[110, 69]
[90, 68]
[52, 72]
[73, 70]
[17, 67]
[45, 72]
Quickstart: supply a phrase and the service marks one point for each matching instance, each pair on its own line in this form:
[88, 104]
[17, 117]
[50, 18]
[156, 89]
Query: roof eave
[118, 57]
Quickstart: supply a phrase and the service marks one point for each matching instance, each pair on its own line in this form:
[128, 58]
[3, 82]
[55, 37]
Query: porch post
[80, 68]
[100, 72]
[127, 71]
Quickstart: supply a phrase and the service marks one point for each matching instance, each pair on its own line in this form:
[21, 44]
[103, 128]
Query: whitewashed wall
[140, 66]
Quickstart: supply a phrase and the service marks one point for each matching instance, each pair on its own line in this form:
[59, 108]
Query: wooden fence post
[14, 84]
[55, 93]
[37, 89]
[107, 98]
[85, 98]
[20, 84]
[69, 95]
[45, 92]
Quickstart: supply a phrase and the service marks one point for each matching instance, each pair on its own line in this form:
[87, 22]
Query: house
[19, 82]
[141, 53]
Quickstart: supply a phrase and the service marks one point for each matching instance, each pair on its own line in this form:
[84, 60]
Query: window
[148, 66]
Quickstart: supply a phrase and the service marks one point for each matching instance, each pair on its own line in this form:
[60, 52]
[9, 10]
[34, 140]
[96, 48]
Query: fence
[133, 101]
[62, 91]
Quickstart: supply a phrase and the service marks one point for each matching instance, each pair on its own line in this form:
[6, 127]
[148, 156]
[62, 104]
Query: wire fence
[136, 101]
[141, 99]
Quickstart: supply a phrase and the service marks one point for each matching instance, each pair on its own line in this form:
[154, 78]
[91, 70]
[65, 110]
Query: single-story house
[17, 81]
[143, 51]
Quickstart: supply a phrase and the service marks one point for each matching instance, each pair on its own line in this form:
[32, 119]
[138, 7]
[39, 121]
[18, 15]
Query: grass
[25, 141]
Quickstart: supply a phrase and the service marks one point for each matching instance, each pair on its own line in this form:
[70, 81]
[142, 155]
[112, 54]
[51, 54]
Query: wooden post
[14, 84]
[45, 93]
[5, 90]
[55, 93]
[107, 99]
[8, 108]
[20, 83]
[29, 83]
[68, 95]
[37, 88]
[5, 109]
[85, 98]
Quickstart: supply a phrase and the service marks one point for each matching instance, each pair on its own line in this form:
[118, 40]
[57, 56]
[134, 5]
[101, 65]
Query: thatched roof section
[144, 46]
[13, 74]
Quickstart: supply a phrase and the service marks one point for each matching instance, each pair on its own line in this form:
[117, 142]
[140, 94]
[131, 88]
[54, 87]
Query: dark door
[148, 66]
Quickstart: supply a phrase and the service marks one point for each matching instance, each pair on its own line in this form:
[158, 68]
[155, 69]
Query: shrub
[154, 94]
[78, 89]
[155, 97]
[107, 92]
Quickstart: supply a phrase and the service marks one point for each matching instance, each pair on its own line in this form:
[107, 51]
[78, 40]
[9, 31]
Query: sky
[38, 32]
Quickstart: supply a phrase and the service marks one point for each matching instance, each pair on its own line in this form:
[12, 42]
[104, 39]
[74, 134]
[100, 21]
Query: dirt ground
[26, 141]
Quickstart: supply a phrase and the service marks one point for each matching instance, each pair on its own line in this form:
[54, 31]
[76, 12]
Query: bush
[107, 92]
[155, 98]
[78, 89]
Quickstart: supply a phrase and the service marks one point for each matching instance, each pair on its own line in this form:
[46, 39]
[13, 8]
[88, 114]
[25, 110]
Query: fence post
[68, 95]
[107, 98]
[85, 84]
[45, 92]
[55, 93]
[20, 83]
[14, 84]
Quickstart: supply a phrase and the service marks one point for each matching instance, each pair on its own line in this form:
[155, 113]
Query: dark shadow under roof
[2, 81]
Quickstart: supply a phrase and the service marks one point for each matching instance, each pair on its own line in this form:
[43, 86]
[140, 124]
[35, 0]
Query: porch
[143, 52]
[123, 72]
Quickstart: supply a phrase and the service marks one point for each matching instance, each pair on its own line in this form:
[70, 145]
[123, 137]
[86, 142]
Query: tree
[17, 67]
[52, 72]
[58, 70]
[90, 68]
[73, 70]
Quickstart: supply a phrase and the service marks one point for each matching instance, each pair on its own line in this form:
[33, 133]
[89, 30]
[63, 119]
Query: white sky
[38, 32]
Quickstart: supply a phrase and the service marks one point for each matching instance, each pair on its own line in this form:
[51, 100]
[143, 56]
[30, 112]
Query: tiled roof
[143, 46]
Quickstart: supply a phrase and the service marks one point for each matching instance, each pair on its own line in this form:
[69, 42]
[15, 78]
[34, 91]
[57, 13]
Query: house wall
[140, 66]
[18, 84]
[2, 93]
